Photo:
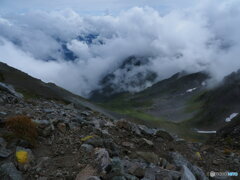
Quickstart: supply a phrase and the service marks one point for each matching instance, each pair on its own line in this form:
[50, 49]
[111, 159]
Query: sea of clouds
[204, 37]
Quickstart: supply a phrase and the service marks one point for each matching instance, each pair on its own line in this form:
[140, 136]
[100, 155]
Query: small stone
[48, 110]
[118, 178]
[93, 178]
[128, 145]
[148, 142]
[4, 153]
[137, 170]
[58, 174]
[170, 167]
[42, 178]
[42, 123]
[86, 173]
[163, 162]
[150, 157]
[236, 161]
[164, 134]
[145, 130]
[47, 131]
[86, 113]
[61, 127]
[215, 162]
[3, 143]
[87, 147]
[117, 166]
[3, 113]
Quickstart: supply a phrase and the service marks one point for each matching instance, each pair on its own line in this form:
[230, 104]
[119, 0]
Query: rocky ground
[81, 144]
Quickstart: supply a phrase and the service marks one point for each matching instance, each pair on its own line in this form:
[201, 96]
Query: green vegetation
[195, 103]
[2, 79]
[134, 110]
[27, 95]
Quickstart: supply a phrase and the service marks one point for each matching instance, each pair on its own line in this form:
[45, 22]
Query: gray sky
[92, 7]
[202, 35]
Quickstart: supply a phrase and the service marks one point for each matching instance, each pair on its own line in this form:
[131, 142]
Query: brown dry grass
[23, 127]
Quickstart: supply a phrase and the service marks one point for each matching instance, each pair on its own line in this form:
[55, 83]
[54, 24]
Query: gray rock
[42, 123]
[148, 142]
[24, 143]
[145, 130]
[95, 142]
[149, 157]
[180, 161]
[3, 113]
[236, 161]
[3, 143]
[86, 113]
[87, 147]
[73, 125]
[47, 131]
[118, 178]
[187, 174]
[164, 134]
[102, 158]
[137, 169]
[198, 172]
[9, 172]
[135, 129]
[4, 153]
[93, 178]
[130, 177]
[117, 166]
[48, 110]
[124, 124]
[10, 90]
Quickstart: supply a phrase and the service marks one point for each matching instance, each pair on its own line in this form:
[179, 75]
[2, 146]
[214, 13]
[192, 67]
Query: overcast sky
[176, 35]
[92, 7]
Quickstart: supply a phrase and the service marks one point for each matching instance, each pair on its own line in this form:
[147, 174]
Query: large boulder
[9, 172]
[187, 174]
[178, 160]
[10, 90]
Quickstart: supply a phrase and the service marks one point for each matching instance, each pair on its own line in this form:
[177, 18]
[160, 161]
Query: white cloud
[204, 37]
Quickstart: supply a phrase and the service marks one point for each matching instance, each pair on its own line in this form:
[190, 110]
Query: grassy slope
[133, 109]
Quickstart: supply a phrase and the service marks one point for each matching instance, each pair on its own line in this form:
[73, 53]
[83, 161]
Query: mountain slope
[32, 87]
[220, 102]
[132, 75]
[169, 99]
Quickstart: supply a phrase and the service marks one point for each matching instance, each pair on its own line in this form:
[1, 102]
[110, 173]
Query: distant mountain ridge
[129, 76]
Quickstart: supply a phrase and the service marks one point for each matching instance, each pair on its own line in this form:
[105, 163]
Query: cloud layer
[75, 52]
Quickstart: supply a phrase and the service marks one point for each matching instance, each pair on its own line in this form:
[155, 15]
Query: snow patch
[191, 90]
[206, 132]
[233, 115]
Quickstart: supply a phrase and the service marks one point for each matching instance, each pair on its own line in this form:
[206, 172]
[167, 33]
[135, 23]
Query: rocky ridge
[83, 144]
